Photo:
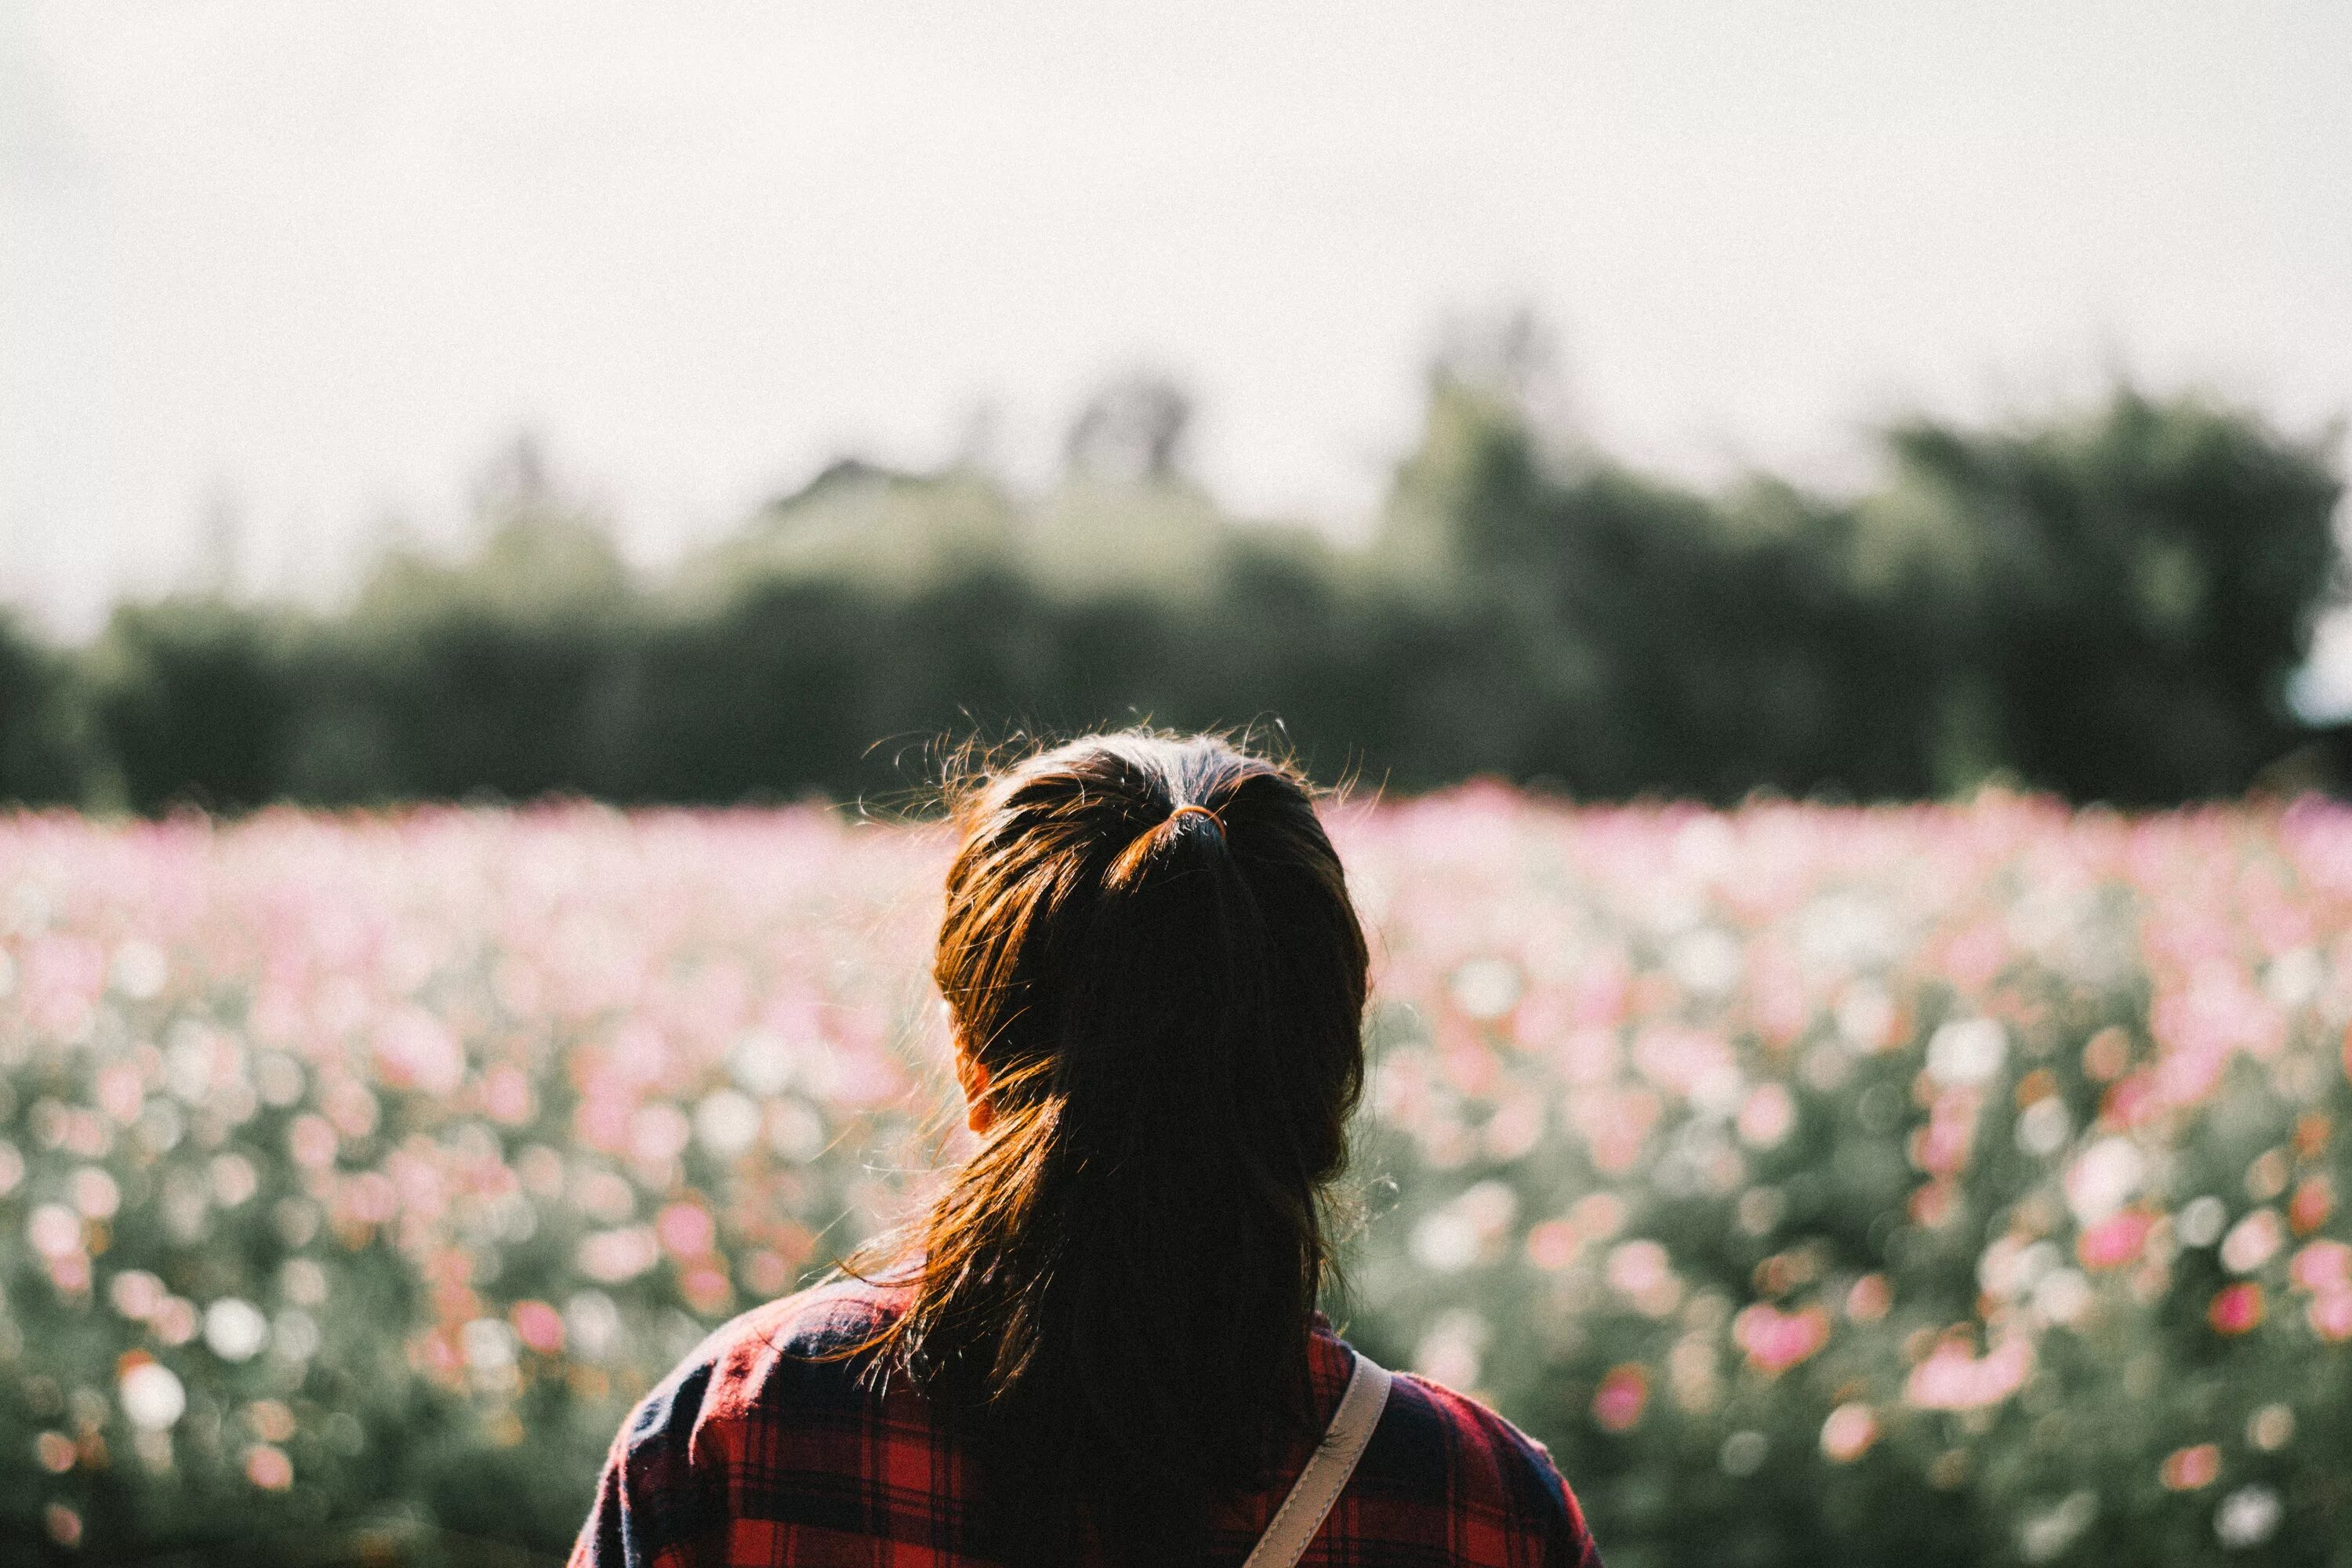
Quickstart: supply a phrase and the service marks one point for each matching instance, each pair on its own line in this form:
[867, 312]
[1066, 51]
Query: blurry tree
[2107, 607]
[509, 671]
[45, 746]
[192, 699]
[2138, 583]
[858, 522]
[1133, 429]
[1669, 642]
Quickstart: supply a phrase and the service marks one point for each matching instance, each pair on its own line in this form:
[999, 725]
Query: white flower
[761, 1064]
[2247, 1517]
[54, 1230]
[139, 970]
[1446, 1241]
[726, 1122]
[2102, 1178]
[153, 1396]
[2045, 1127]
[1967, 1051]
[2045, 1535]
[489, 1343]
[592, 1324]
[294, 1336]
[1487, 987]
[795, 1130]
[1706, 961]
[235, 1328]
[1866, 1017]
[1451, 1351]
[2200, 1222]
[2294, 978]
[2063, 1295]
[2252, 1242]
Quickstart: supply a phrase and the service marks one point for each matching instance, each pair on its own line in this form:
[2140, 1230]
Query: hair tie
[1214, 820]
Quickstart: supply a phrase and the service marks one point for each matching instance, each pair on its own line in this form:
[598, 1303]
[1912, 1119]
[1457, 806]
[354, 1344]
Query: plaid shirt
[753, 1454]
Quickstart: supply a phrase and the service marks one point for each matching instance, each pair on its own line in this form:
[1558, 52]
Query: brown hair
[1150, 946]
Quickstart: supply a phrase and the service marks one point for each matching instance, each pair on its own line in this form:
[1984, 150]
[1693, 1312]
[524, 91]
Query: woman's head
[1138, 927]
[1157, 984]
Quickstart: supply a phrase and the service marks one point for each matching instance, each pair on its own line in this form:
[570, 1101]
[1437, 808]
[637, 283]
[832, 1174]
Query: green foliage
[2135, 587]
[45, 752]
[1672, 643]
[193, 699]
[2106, 606]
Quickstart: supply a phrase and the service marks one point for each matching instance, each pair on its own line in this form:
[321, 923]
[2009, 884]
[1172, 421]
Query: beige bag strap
[1302, 1513]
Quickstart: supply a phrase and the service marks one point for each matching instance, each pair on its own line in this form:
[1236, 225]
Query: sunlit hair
[1112, 1297]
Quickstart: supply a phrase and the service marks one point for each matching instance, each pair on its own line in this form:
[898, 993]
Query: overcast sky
[310, 264]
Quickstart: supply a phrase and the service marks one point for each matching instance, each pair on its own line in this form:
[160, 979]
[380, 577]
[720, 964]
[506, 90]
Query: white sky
[312, 262]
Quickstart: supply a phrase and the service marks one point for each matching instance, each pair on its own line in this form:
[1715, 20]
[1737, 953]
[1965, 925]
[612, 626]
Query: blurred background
[512, 398]
[1931, 417]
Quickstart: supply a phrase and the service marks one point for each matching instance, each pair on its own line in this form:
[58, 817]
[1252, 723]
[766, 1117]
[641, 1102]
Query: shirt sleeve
[1540, 1495]
[1571, 1546]
[661, 1500]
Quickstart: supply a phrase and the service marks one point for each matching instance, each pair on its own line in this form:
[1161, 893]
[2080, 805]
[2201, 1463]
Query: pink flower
[2330, 1315]
[1869, 1299]
[2321, 1266]
[1638, 1268]
[62, 979]
[54, 1452]
[1849, 1432]
[507, 1096]
[2115, 1241]
[268, 1467]
[539, 1326]
[1552, 1244]
[686, 1230]
[2236, 1308]
[54, 1230]
[1767, 1116]
[1776, 1340]
[1679, 1059]
[2187, 1469]
[706, 1288]
[2312, 1202]
[1952, 1379]
[417, 1051]
[1618, 1402]
[371, 1198]
[311, 1140]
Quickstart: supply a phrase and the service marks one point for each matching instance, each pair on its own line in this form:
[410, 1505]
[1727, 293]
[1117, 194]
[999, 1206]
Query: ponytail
[1149, 946]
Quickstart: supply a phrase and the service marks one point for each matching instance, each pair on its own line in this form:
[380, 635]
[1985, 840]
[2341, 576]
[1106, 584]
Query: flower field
[1941, 1185]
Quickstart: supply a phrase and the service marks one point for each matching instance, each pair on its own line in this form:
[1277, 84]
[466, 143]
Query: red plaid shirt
[755, 1452]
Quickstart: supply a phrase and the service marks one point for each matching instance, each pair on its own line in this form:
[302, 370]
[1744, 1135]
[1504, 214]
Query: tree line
[2106, 604]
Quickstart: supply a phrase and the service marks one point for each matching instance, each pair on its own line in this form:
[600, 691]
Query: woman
[1100, 1344]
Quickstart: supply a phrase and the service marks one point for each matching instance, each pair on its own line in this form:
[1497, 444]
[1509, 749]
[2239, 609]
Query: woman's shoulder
[809, 1350]
[1494, 1483]
[830, 1320]
[771, 1424]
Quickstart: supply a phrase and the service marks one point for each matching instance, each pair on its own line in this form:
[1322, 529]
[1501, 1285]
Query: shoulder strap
[1320, 1484]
